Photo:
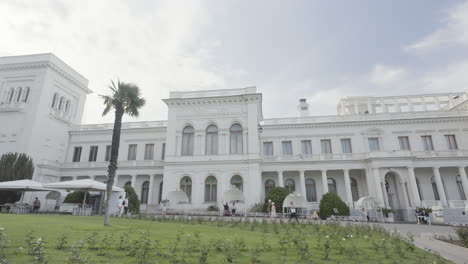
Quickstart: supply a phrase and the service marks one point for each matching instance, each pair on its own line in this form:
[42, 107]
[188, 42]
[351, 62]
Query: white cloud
[454, 31]
[383, 74]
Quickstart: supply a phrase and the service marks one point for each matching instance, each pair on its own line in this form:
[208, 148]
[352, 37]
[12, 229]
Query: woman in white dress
[273, 210]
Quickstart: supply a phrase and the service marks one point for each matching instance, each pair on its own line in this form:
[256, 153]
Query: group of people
[271, 209]
[422, 216]
[123, 206]
[228, 212]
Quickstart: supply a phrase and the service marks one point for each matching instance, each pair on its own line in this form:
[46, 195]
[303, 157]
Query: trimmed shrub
[329, 202]
[213, 208]
[462, 233]
[133, 202]
[276, 195]
[76, 197]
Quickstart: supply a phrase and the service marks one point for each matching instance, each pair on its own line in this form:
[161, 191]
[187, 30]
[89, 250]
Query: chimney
[303, 108]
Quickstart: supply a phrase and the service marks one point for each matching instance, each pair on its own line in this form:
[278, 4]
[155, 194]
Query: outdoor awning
[176, 197]
[298, 200]
[23, 186]
[81, 185]
[367, 202]
[233, 195]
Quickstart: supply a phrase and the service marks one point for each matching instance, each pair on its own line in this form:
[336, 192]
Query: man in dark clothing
[293, 213]
[36, 205]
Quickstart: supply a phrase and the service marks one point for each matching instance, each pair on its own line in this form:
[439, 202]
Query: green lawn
[185, 241]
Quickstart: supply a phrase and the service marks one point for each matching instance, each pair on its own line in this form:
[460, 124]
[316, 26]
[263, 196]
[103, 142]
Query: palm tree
[125, 99]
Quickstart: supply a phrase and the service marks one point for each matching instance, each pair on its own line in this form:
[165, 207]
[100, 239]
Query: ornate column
[302, 183]
[414, 187]
[464, 180]
[150, 192]
[384, 193]
[280, 179]
[356, 108]
[369, 106]
[245, 142]
[349, 196]
[378, 185]
[440, 186]
[324, 182]
[134, 181]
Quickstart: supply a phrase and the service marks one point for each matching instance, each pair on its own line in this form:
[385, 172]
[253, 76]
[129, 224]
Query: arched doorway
[394, 191]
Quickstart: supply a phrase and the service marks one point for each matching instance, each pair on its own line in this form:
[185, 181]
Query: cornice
[199, 101]
[123, 131]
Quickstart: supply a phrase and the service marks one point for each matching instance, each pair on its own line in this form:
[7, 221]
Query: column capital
[461, 167]
[435, 167]
[323, 171]
[410, 167]
[347, 170]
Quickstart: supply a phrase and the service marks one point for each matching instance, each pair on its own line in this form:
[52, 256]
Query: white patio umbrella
[298, 200]
[85, 185]
[233, 195]
[177, 197]
[23, 186]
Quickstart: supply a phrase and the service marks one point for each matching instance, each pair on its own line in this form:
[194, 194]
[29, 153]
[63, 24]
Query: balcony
[60, 115]
[12, 107]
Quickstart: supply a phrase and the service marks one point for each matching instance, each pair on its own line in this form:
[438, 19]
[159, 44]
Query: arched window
[311, 193]
[290, 185]
[67, 106]
[237, 182]
[354, 189]
[18, 94]
[331, 185]
[144, 192]
[10, 95]
[61, 103]
[211, 144]
[187, 141]
[269, 185]
[26, 94]
[236, 139]
[211, 189]
[186, 186]
[434, 189]
[461, 191]
[54, 100]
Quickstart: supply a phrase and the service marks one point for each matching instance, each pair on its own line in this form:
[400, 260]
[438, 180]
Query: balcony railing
[457, 203]
[12, 107]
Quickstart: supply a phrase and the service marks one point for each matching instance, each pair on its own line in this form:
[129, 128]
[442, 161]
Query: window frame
[93, 151]
[306, 146]
[404, 143]
[188, 138]
[77, 153]
[268, 150]
[211, 140]
[451, 142]
[132, 155]
[428, 143]
[324, 143]
[373, 145]
[345, 143]
[286, 148]
[149, 153]
[236, 141]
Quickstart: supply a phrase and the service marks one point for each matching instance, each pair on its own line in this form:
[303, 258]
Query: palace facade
[407, 151]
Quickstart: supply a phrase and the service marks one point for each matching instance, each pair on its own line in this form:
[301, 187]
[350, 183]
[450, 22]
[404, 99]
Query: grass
[185, 241]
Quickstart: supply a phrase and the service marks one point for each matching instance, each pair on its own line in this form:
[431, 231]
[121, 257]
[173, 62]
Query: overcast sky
[319, 50]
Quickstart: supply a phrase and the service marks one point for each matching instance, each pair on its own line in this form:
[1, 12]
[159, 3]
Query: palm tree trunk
[119, 111]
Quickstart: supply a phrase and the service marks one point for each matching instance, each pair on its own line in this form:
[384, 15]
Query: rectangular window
[267, 148]
[77, 154]
[346, 145]
[306, 147]
[427, 143]
[404, 143]
[132, 149]
[326, 146]
[149, 151]
[108, 152]
[374, 144]
[451, 142]
[287, 147]
[93, 153]
[163, 152]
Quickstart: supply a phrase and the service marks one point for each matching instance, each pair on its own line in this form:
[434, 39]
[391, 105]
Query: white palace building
[407, 151]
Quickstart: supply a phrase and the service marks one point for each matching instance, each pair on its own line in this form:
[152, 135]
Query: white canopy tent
[297, 199]
[367, 202]
[23, 186]
[177, 197]
[233, 195]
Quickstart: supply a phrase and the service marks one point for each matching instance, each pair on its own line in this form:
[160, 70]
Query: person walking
[293, 213]
[36, 205]
[120, 205]
[269, 206]
[273, 211]
[125, 205]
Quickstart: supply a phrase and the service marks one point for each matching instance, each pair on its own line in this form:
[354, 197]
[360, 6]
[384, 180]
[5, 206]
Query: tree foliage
[76, 197]
[14, 166]
[276, 195]
[329, 202]
[133, 202]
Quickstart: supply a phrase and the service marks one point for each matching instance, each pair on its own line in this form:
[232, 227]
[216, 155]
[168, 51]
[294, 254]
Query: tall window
[374, 144]
[237, 182]
[451, 142]
[108, 152]
[306, 147]
[427, 143]
[269, 185]
[186, 186]
[267, 148]
[93, 153]
[149, 151]
[311, 193]
[61, 103]
[211, 189]
[26, 94]
[187, 141]
[286, 147]
[132, 151]
[10, 95]
[144, 192]
[290, 185]
[163, 151]
[354, 189]
[160, 192]
[77, 154]
[326, 146]
[211, 145]
[67, 106]
[346, 145]
[332, 185]
[18, 94]
[236, 139]
[55, 100]
[461, 191]
[404, 143]
[434, 189]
